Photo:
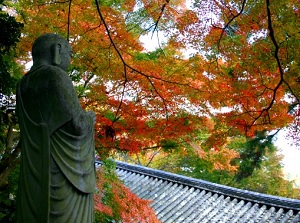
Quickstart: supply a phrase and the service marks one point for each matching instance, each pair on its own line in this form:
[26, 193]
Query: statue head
[51, 49]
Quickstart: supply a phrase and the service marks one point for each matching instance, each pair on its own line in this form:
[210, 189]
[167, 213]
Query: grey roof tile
[183, 199]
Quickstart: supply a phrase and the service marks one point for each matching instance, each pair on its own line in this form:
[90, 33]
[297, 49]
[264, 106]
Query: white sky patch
[290, 159]
[153, 41]
[188, 4]
[262, 34]
[28, 65]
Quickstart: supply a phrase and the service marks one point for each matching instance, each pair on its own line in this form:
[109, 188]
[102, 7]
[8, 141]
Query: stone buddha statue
[57, 174]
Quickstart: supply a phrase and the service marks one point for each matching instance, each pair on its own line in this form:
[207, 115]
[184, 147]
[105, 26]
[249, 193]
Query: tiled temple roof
[178, 198]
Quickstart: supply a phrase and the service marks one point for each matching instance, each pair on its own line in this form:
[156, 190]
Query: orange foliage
[243, 66]
[221, 159]
[123, 204]
[218, 154]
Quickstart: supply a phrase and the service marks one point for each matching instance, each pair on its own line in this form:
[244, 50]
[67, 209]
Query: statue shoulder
[54, 71]
[53, 74]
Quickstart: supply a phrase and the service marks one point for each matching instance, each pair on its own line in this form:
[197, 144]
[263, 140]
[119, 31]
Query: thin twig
[160, 15]
[230, 21]
[69, 19]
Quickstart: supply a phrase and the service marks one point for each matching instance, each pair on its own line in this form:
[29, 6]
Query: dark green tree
[253, 152]
[9, 75]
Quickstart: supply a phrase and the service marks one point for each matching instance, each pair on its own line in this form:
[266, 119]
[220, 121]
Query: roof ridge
[260, 198]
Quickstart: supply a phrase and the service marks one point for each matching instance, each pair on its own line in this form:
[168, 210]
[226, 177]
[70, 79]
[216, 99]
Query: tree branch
[160, 15]
[69, 18]
[125, 65]
[230, 21]
[276, 56]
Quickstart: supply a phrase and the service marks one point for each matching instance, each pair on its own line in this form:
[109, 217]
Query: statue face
[65, 56]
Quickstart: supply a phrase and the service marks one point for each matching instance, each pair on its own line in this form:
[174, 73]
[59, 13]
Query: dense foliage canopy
[242, 73]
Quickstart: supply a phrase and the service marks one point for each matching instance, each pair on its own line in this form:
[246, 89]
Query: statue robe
[57, 175]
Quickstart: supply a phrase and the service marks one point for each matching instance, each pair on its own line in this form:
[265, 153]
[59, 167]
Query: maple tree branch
[108, 32]
[152, 157]
[125, 65]
[276, 56]
[273, 39]
[90, 29]
[86, 82]
[69, 13]
[119, 54]
[160, 15]
[121, 101]
[230, 21]
[264, 113]
[163, 80]
[159, 45]
[69, 18]
[291, 90]
[163, 100]
[60, 26]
